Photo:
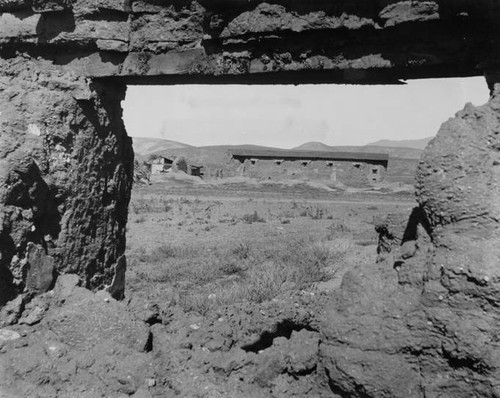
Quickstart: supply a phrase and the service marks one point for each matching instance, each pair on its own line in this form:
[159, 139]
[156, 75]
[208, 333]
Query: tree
[180, 164]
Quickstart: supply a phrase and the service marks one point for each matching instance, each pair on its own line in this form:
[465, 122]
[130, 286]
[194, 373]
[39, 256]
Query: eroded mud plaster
[66, 161]
[65, 170]
[65, 156]
[251, 41]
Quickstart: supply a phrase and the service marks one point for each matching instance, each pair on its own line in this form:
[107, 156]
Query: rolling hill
[313, 146]
[417, 144]
[213, 155]
[144, 146]
[394, 152]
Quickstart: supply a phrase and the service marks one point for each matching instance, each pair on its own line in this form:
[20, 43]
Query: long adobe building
[349, 168]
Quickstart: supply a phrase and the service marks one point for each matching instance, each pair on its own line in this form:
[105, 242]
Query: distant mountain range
[394, 150]
[417, 144]
[144, 147]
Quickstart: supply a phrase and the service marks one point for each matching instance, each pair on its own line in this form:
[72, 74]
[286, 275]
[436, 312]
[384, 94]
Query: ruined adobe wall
[65, 176]
[354, 41]
[425, 324]
[64, 69]
[434, 316]
[65, 65]
[346, 172]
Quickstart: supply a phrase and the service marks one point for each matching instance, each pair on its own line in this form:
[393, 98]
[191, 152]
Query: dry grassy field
[231, 289]
[204, 246]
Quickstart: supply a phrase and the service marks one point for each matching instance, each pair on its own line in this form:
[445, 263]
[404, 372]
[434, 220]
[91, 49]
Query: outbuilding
[195, 170]
[160, 165]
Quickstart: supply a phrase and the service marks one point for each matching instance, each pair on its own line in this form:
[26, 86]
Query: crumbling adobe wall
[424, 324]
[66, 160]
[355, 41]
[423, 321]
[458, 187]
[429, 329]
[65, 171]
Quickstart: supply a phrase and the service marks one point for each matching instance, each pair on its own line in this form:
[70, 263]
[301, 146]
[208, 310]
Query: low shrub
[241, 251]
[336, 229]
[231, 267]
[160, 254]
[318, 214]
[252, 217]
[150, 205]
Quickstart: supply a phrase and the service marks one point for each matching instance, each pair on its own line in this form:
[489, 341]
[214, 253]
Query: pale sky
[286, 116]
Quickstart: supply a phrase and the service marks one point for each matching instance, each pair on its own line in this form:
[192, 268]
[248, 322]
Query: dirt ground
[226, 289]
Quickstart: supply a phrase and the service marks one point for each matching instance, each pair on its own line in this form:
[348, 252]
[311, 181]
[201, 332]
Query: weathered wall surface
[458, 186]
[65, 172]
[81, 159]
[424, 321]
[350, 173]
[343, 41]
[431, 329]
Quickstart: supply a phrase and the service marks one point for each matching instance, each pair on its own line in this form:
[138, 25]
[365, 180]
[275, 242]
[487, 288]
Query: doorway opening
[272, 212]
